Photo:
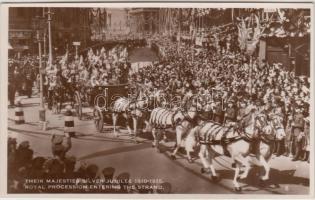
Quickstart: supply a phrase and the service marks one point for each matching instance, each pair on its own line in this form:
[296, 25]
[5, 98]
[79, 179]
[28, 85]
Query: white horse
[134, 109]
[218, 139]
[273, 130]
[121, 107]
[180, 119]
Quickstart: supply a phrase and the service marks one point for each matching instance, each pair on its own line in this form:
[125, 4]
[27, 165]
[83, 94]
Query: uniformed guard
[297, 133]
[230, 113]
[306, 145]
[50, 88]
[29, 83]
[11, 85]
[241, 110]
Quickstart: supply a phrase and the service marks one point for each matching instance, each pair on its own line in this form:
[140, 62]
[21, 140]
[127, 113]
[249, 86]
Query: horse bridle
[264, 137]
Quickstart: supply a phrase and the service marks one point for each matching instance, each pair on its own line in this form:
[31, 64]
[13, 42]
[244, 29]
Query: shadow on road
[116, 151]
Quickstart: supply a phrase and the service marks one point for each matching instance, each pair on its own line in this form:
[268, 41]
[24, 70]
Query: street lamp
[38, 23]
[49, 13]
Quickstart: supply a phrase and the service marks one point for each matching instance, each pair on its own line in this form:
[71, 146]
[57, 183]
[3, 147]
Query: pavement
[140, 160]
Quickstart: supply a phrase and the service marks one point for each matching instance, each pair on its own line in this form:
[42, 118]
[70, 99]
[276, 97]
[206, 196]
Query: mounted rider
[230, 113]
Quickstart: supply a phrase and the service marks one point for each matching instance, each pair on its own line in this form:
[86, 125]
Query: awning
[20, 47]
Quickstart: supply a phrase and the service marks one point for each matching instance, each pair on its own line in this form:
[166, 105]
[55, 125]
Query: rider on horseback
[247, 125]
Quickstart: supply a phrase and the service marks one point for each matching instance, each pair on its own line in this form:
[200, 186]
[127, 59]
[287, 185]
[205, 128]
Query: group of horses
[256, 137]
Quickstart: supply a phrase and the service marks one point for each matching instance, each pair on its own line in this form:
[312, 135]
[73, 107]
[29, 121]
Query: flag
[242, 34]
[81, 60]
[64, 59]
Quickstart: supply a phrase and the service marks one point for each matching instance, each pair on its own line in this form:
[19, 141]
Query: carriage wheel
[98, 119]
[78, 105]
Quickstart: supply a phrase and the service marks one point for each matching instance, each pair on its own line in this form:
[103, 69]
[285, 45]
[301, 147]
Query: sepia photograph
[158, 99]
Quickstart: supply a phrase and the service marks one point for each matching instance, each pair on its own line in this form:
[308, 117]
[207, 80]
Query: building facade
[108, 23]
[144, 20]
[67, 25]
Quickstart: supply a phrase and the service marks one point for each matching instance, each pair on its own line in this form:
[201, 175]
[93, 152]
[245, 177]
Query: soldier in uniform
[51, 73]
[230, 113]
[11, 85]
[218, 112]
[307, 140]
[297, 133]
[241, 110]
[29, 83]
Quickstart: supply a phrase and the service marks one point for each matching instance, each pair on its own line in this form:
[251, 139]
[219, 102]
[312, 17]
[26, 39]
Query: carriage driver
[230, 113]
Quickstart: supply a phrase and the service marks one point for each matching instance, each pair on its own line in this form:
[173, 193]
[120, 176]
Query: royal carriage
[101, 98]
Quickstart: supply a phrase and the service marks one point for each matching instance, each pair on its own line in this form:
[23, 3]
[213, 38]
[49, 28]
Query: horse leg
[190, 142]
[114, 116]
[203, 155]
[214, 176]
[59, 105]
[134, 120]
[266, 167]
[127, 117]
[207, 162]
[129, 130]
[243, 161]
[164, 136]
[156, 137]
[236, 175]
[147, 125]
[154, 143]
[179, 134]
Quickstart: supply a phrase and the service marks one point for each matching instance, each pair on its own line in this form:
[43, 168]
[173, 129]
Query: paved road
[142, 54]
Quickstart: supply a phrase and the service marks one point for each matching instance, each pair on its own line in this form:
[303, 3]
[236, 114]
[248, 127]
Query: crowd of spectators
[234, 80]
[63, 173]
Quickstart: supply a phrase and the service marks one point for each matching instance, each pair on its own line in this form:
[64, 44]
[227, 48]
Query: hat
[57, 139]
[92, 169]
[58, 148]
[71, 159]
[38, 162]
[25, 144]
[165, 188]
[108, 172]
[12, 140]
[123, 176]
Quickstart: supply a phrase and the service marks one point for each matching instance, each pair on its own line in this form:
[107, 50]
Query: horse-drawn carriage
[65, 92]
[101, 98]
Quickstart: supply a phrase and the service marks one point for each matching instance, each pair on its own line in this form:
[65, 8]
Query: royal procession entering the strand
[159, 100]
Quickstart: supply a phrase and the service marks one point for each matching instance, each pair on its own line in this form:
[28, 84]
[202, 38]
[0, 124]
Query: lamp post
[42, 115]
[49, 13]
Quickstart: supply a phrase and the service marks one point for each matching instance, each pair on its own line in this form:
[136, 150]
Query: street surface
[142, 161]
